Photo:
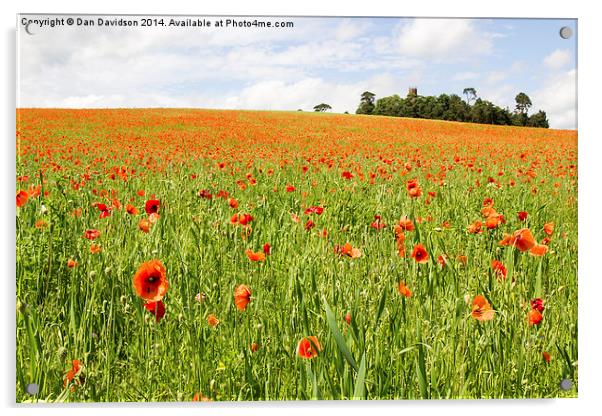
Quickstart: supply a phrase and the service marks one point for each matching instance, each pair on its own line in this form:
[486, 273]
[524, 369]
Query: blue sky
[330, 60]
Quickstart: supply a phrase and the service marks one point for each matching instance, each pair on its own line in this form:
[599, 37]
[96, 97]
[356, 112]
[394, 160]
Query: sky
[330, 60]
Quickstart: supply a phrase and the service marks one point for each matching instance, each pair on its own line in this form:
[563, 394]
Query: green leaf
[359, 390]
[338, 337]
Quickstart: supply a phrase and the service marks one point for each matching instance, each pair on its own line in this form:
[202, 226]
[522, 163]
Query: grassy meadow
[380, 257]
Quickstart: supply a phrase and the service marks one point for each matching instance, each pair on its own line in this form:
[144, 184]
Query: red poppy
[548, 228]
[76, 367]
[290, 188]
[104, 210]
[95, 248]
[347, 175]
[308, 347]
[314, 210]
[377, 224]
[254, 347]
[538, 250]
[420, 254]
[242, 297]
[481, 309]
[535, 317]
[233, 203]
[546, 356]
[266, 249]
[212, 320]
[71, 263]
[130, 209]
[150, 281]
[442, 260]
[348, 250]
[204, 194]
[522, 239]
[499, 269]
[404, 290]
[152, 206]
[198, 397]
[475, 227]
[405, 224]
[347, 318]
[309, 225]
[522, 215]
[413, 188]
[91, 234]
[22, 197]
[259, 256]
[156, 308]
[537, 304]
[144, 225]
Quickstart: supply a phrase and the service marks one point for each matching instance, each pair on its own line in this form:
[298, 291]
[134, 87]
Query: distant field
[380, 258]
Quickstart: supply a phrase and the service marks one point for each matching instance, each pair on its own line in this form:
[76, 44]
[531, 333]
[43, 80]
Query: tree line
[453, 108]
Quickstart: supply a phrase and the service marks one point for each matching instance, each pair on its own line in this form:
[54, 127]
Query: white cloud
[557, 98]
[464, 76]
[443, 39]
[558, 59]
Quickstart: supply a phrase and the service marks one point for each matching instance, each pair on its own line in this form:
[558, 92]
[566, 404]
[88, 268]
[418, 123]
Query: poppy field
[204, 255]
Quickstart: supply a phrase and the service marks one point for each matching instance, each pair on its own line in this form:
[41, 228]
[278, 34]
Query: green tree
[538, 119]
[320, 108]
[470, 93]
[366, 103]
[523, 103]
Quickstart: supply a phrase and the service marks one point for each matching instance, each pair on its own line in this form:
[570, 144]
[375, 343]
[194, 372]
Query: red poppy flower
[475, 227]
[537, 304]
[314, 210]
[403, 290]
[538, 250]
[347, 318]
[522, 215]
[546, 356]
[266, 249]
[522, 239]
[290, 188]
[348, 250]
[104, 210]
[242, 297]
[150, 281]
[548, 228]
[309, 225]
[130, 209]
[259, 256]
[152, 206]
[420, 254]
[71, 263]
[156, 308]
[233, 203]
[481, 309]
[308, 347]
[198, 397]
[405, 224]
[212, 320]
[76, 367]
[535, 317]
[204, 194]
[413, 188]
[347, 175]
[499, 269]
[91, 234]
[144, 225]
[22, 197]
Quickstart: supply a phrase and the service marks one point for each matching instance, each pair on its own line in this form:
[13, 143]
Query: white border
[590, 235]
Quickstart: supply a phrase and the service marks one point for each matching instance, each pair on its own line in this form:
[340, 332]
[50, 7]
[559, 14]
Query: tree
[538, 119]
[322, 107]
[470, 93]
[366, 103]
[523, 103]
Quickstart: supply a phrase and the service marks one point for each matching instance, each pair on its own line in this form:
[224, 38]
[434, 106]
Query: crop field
[204, 255]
